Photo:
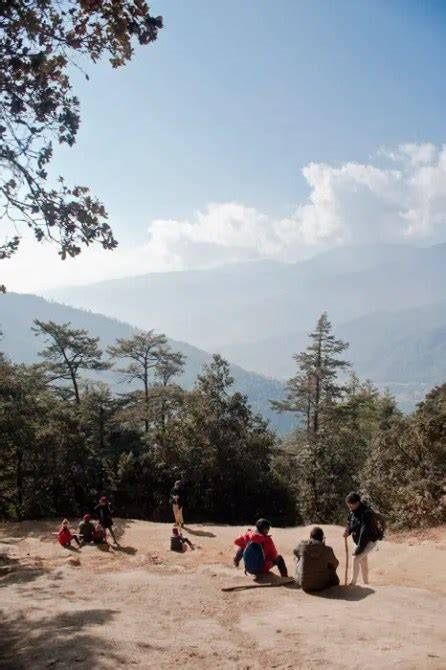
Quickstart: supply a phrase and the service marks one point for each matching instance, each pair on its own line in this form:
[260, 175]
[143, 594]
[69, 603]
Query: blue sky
[237, 97]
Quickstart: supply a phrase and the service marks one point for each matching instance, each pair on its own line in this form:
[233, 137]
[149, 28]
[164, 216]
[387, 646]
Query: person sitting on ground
[87, 529]
[178, 542]
[258, 551]
[99, 535]
[315, 563]
[65, 536]
[105, 511]
[361, 525]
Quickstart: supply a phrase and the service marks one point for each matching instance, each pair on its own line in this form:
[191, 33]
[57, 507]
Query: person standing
[315, 563]
[361, 525]
[176, 500]
[104, 512]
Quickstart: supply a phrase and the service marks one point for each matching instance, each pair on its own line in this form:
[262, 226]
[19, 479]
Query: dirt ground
[142, 606]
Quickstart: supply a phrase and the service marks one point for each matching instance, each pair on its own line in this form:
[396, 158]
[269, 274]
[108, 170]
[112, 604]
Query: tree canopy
[40, 40]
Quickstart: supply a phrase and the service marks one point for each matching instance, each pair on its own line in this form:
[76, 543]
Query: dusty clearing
[142, 606]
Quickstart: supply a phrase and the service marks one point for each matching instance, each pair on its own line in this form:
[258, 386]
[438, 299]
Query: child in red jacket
[65, 536]
[260, 536]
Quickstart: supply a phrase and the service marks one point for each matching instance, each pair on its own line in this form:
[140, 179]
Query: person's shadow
[198, 533]
[125, 550]
[350, 593]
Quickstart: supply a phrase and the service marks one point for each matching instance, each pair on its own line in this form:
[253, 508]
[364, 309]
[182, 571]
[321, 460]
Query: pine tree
[314, 394]
[150, 359]
[68, 353]
[314, 390]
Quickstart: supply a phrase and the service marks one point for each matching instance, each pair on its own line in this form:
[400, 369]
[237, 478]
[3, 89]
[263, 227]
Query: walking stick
[346, 561]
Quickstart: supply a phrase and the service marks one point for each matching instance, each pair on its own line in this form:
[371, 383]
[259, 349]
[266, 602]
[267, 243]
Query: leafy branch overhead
[39, 41]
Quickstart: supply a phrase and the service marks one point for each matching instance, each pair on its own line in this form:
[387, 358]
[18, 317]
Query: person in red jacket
[260, 536]
[65, 536]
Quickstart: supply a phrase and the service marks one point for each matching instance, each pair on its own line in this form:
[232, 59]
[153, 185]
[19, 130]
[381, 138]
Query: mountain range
[388, 301]
[18, 342]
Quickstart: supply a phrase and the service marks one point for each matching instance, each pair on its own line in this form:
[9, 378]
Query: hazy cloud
[398, 195]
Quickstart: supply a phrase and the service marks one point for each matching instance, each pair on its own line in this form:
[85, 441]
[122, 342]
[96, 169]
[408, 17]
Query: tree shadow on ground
[58, 641]
[17, 571]
[198, 533]
[350, 593]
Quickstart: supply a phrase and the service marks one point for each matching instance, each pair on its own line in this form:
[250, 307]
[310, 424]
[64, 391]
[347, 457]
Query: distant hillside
[246, 302]
[17, 313]
[404, 350]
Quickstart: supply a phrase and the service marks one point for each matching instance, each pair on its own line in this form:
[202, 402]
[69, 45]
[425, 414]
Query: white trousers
[362, 562]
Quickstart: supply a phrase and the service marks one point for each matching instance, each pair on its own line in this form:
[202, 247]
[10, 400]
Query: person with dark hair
[177, 500]
[315, 563]
[258, 551]
[361, 525]
[178, 542]
[86, 529]
[104, 512]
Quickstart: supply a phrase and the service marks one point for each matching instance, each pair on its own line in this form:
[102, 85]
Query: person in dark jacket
[177, 500]
[104, 512]
[86, 529]
[361, 526]
[315, 563]
[178, 542]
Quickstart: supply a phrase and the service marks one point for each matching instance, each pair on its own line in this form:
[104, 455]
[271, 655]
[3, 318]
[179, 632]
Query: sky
[256, 129]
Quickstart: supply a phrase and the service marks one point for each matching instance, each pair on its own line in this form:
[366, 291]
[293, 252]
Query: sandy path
[145, 607]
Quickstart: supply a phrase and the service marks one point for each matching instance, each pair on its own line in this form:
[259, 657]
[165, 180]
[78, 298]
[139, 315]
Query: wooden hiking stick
[346, 561]
[266, 585]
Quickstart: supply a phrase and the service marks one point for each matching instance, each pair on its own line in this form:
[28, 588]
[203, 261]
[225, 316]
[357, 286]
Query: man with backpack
[258, 551]
[315, 563]
[366, 527]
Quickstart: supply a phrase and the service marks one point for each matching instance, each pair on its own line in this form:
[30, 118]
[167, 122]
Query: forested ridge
[65, 441]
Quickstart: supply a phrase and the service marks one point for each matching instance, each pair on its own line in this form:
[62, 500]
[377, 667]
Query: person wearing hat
[266, 549]
[87, 529]
[104, 512]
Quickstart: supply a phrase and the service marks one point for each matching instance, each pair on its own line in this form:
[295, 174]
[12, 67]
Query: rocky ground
[139, 605]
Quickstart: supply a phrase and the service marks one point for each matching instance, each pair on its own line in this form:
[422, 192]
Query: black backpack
[379, 523]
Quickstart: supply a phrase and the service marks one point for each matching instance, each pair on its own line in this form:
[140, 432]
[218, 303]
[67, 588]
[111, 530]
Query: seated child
[87, 529]
[99, 535]
[65, 536]
[178, 542]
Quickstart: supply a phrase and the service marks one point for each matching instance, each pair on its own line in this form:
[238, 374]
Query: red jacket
[269, 548]
[65, 536]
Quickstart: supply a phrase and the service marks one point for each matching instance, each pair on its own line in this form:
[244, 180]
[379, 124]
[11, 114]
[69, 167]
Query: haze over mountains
[19, 343]
[388, 301]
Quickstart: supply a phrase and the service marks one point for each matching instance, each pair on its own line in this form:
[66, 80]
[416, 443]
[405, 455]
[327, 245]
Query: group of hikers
[316, 563]
[90, 531]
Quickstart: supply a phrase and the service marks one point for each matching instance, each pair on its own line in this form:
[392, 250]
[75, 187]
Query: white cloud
[399, 195]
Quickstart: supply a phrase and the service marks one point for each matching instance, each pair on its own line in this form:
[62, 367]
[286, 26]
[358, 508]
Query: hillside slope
[403, 350]
[18, 311]
[142, 606]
